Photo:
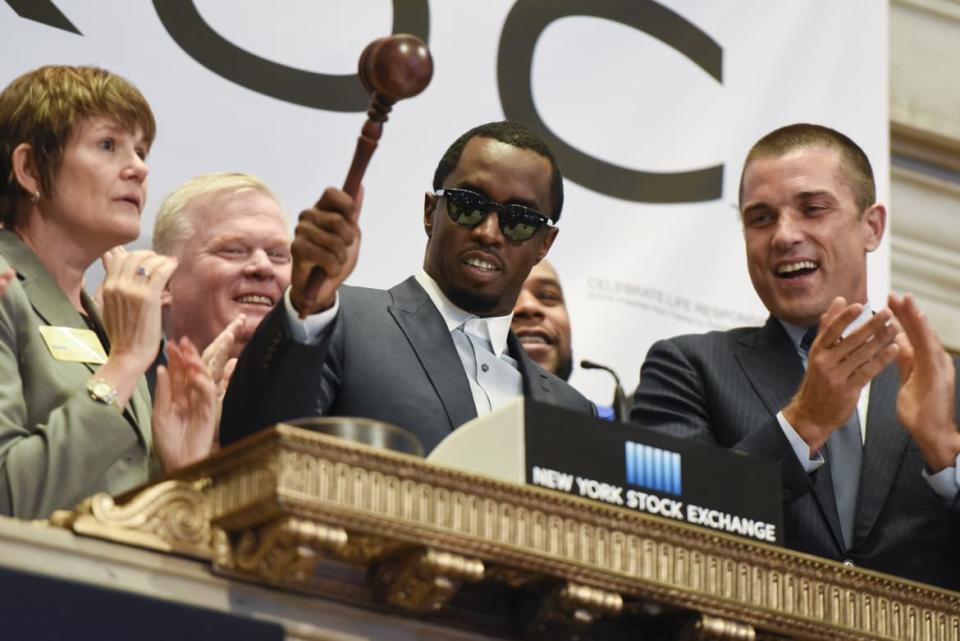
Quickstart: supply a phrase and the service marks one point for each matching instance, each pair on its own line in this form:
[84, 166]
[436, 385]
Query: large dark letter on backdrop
[319, 90]
[44, 12]
[528, 19]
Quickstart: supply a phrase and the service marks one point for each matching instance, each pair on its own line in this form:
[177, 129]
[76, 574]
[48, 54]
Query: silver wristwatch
[102, 391]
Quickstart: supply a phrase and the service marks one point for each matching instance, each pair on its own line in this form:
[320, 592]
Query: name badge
[73, 345]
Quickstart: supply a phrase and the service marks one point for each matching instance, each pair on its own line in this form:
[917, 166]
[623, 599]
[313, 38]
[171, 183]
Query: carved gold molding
[170, 516]
[285, 500]
[707, 628]
[425, 580]
[284, 551]
[573, 607]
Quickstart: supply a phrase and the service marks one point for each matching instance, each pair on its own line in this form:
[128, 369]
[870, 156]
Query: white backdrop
[632, 271]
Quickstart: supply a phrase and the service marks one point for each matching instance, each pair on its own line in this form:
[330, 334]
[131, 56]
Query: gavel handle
[366, 145]
[361, 158]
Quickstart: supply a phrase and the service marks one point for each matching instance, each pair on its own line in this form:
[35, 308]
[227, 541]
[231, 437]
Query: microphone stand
[620, 409]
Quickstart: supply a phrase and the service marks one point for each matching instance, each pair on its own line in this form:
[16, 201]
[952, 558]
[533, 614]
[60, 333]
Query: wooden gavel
[391, 69]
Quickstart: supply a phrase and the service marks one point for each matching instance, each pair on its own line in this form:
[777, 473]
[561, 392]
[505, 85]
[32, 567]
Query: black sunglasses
[469, 209]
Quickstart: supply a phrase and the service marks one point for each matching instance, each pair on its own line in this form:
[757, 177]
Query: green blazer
[57, 445]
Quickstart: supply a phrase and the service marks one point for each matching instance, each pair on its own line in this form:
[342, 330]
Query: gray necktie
[844, 454]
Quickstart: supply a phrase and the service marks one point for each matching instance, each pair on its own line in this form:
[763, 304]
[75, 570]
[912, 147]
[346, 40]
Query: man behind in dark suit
[884, 497]
[436, 350]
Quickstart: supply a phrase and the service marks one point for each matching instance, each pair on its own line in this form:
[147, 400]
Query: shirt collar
[796, 332]
[495, 329]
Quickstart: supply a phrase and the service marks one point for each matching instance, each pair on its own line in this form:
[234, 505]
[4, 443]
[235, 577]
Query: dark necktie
[844, 453]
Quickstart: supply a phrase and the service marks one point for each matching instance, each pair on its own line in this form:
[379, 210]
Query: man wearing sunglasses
[436, 350]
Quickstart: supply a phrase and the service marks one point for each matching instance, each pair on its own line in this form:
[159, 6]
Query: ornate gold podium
[395, 535]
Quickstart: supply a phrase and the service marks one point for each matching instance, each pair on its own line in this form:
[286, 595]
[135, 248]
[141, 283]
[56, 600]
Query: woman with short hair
[75, 414]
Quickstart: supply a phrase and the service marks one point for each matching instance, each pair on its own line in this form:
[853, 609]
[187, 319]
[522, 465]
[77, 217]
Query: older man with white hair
[232, 243]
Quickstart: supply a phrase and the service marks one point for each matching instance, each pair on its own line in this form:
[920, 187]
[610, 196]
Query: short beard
[473, 302]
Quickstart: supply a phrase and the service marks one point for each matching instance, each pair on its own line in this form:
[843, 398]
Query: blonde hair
[42, 108]
[173, 228]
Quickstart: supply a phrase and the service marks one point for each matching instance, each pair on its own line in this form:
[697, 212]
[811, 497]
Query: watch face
[102, 389]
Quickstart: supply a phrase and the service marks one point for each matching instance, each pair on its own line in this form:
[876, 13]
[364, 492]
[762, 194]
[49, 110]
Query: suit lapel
[427, 333]
[771, 364]
[884, 448]
[47, 299]
[536, 383]
[54, 308]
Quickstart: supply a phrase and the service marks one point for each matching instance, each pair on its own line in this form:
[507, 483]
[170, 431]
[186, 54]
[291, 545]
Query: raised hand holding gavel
[327, 238]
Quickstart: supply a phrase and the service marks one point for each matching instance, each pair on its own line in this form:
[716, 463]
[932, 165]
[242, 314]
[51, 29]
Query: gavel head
[396, 67]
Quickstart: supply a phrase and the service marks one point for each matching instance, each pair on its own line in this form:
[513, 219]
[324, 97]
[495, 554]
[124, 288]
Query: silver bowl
[363, 430]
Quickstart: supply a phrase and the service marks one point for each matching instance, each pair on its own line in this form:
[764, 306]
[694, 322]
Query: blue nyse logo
[653, 468]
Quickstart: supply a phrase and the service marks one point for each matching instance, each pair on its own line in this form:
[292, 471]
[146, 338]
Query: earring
[35, 197]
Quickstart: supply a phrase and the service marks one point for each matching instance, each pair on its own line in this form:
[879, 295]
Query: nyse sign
[637, 469]
[667, 507]
[525, 23]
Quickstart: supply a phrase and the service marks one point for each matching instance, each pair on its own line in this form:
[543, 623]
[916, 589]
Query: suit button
[485, 367]
[849, 563]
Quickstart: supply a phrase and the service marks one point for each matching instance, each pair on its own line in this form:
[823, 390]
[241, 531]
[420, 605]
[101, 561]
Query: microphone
[620, 409]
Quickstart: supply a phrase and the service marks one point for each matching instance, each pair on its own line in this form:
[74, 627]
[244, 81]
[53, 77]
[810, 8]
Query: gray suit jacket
[389, 356]
[57, 446]
[725, 389]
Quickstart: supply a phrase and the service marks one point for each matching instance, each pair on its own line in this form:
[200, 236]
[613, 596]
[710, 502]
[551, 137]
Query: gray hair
[172, 228]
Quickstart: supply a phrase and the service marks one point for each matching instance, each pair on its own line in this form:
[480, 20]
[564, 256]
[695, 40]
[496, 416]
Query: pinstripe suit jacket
[725, 389]
[389, 356]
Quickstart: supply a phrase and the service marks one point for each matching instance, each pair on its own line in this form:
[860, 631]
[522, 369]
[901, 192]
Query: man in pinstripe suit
[858, 407]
